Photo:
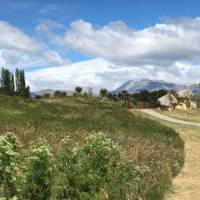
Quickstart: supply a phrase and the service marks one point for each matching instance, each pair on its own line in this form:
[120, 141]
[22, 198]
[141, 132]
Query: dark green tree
[7, 82]
[103, 92]
[20, 82]
[27, 92]
[78, 89]
[17, 81]
[12, 85]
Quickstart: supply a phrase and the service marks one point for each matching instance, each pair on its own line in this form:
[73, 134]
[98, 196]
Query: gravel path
[169, 119]
[186, 186]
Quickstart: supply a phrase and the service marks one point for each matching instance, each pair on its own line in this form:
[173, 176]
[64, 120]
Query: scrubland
[84, 148]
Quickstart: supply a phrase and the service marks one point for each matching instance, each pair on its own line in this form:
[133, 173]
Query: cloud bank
[169, 51]
[18, 49]
[162, 44]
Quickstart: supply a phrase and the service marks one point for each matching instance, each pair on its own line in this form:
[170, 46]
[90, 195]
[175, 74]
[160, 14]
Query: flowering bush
[38, 173]
[10, 174]
[95, 171]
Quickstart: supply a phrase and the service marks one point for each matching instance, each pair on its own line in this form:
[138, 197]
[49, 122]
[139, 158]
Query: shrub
[10, 174]
[38, 97]
[95, 171]
[46, 95]
[38, 173]
[103, 92]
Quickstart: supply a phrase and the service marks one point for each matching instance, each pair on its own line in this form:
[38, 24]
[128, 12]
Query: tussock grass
[155, 148]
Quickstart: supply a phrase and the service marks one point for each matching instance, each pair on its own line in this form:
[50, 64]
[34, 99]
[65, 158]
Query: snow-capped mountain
[150, 85]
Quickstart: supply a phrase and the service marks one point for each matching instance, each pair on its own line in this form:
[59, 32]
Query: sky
[64, 43]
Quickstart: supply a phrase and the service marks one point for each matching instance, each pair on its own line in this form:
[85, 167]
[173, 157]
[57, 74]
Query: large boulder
[167, 100]
[184, 94]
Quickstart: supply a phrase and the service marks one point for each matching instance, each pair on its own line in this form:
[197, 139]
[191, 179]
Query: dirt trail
[169, 119]
[186, 186]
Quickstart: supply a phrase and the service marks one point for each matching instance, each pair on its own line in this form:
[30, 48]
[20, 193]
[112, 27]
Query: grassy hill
[155, 151]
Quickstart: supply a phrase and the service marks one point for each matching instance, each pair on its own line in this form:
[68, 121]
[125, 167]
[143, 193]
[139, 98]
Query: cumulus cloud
[20, 50]
[12, 38]
[167, 51]
[162, 44]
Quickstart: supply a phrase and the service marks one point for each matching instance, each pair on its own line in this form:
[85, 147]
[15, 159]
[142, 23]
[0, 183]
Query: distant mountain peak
[133, 86]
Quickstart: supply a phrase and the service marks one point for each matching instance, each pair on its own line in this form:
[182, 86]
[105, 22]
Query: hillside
[154, 151]
[150, 85]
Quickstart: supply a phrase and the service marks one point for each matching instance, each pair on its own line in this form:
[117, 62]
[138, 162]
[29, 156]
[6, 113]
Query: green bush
[95, 171]
[38, 173]
[10, 173]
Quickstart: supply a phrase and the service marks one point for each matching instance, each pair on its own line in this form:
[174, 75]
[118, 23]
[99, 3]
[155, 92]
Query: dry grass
[188, 115]
[155, 148]
[186, 185]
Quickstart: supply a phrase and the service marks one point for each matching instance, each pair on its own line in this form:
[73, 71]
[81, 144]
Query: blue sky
[41, 36]
[135, 13]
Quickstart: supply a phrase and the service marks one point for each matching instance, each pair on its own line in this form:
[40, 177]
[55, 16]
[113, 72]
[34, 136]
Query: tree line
[13, 84]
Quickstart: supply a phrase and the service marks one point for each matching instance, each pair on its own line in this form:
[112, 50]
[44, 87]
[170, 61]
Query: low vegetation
[83, 148]
[143, 99]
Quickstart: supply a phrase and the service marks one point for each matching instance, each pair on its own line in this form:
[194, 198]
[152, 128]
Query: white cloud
[12, 38]
[162, 44]
[98, 73]
[19, 50]
[50, 8]
[68, 76]
[166, 51]
[54, 58]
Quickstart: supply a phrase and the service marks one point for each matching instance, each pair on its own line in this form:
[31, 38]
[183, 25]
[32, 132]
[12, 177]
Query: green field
[155, 151]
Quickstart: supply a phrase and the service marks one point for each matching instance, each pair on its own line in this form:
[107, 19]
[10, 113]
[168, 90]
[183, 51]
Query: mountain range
[145, 84]
[135, 86]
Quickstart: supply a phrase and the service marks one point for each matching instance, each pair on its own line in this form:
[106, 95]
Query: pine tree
[7, 82]
[27, 92]
[3, 79]
[22, 83]
[12, 84]
[17, 82]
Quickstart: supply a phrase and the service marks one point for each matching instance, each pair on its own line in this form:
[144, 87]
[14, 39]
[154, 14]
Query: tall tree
[7, 82]
[12, 84]
[21, 88]
[78, 89]
[17, 81]
[103, 92]
[27, 92]
[22, 83]
[90, 92]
